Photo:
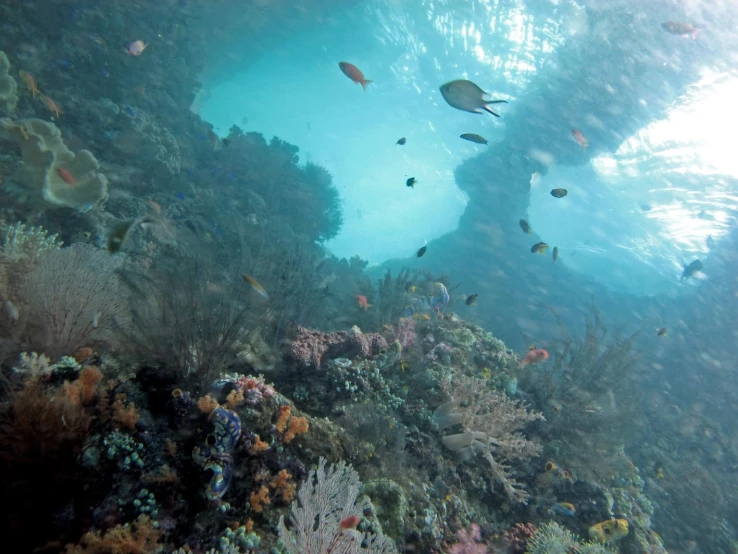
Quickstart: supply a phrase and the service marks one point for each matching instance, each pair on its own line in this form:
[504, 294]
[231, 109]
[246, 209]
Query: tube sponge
[8, 86]
[49, 166]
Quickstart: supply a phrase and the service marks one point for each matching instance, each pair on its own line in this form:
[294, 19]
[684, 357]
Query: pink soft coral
[468, 542]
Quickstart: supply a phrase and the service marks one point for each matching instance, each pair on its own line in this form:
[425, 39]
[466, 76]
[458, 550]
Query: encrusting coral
[8, 86]
[49, 166]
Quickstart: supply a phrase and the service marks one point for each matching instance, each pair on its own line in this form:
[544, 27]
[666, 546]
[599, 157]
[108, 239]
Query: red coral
[310, 348]
[517, 537]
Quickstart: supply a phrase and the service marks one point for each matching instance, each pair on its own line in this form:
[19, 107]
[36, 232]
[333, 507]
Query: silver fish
[466, 96]
[12, 311]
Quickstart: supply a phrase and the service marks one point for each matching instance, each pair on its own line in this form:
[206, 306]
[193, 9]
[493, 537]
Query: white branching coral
[35, 365]
[326, 499]
[491, 425]
[24, 242]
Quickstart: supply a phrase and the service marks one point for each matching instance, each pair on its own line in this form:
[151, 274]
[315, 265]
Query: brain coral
[47, 160]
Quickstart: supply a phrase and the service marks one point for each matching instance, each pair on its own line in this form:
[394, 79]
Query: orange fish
[66, 175]
[362, 302]
[52, 106]
[350, 522]
[30, 83]
[579, 137]
[534, 357]
[255, 285]
[154, 205]
[354, 73]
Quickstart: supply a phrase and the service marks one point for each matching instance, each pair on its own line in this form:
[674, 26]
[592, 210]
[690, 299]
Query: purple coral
[404, 333]
[310, 348]
[469, 542]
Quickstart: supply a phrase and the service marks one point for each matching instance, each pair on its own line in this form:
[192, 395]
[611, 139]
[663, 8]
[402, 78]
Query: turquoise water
[214, 277]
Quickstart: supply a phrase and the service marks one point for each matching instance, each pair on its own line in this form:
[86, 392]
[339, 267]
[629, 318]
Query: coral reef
[311, 348]
[60, 176]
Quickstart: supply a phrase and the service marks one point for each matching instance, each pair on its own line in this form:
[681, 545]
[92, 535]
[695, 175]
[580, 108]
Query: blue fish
[105, 73]
[564, 508]
[65, 63]
[179, 196]
[129, 111]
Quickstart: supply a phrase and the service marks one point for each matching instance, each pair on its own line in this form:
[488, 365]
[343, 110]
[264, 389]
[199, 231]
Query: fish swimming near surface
[136, 48]
[555, 254]
[402, 141]
[471, 300]
[539, 248]
[525, 227]
[662, 332]
[559, 193]
[362, 302]
[691, 269]
[411, 182]
[471, 137]
[534, 357]
[468, 97]
[421, 251]
[579, 137]
[66, 176]
[354, 73]
[681, 29]
[255, 285]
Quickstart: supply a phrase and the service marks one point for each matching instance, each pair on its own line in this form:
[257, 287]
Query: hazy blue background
[632, 216]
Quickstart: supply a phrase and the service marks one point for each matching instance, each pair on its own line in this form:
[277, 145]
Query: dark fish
[402, 141]
[422, 251]
[555, 254]
[691, 269]
[681, 29]
[467, 96]
[559, 193]
[539, 248]
[118, 236]
[662, 332]
[472, 300]
[226, 141]
[525, 227]
[471, 137]
[411, 182]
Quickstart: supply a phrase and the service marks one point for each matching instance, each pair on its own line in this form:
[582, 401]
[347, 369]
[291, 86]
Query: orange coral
[259, 499]
[171, 447]
[82, 354]
[140, 537]
[257, 445]
[297, 426]
[125, 415]
[282, 485]
[283, 415]
[89, 379]
[234, 399]
[206, 404]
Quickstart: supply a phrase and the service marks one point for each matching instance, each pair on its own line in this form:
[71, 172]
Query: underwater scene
[368, 277]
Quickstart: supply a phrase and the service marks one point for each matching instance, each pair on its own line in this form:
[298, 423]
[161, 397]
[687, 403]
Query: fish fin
[486, 109]
[365, 82]
[496, 102]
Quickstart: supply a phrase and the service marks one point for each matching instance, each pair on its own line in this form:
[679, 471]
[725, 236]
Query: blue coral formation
[215, 453]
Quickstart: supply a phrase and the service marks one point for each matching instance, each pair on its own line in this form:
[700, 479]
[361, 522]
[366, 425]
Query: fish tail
[486, 109]
[365, 82]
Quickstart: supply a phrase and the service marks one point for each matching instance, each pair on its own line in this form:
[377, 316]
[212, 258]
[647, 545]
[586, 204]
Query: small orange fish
[52, 106]
[362, 302]
[579, 137]
[30, 83]
[534, 357]
[154, 205]
[66, 175]
[354, 73]
[350, 522]
[255, 285]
